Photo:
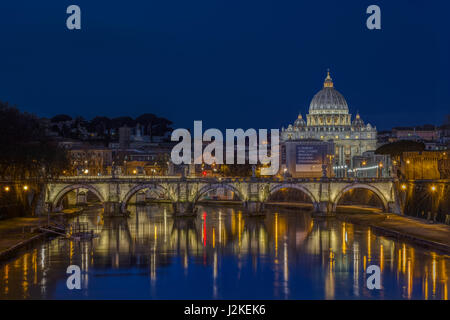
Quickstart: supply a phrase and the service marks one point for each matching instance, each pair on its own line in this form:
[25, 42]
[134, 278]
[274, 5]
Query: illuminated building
[329, 120]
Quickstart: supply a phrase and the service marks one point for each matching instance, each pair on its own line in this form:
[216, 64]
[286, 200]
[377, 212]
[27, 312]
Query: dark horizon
[231, 64]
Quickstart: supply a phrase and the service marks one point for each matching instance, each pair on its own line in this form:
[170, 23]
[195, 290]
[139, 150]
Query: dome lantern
[328, 83]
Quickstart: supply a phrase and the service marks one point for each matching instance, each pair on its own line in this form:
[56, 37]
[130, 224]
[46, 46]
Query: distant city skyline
[246, 64]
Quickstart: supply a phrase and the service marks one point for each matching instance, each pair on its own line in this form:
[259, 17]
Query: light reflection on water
[223, 253]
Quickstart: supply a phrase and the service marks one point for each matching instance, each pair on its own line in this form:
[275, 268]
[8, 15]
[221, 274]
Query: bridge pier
[254, 207]
[112, 209]
[184, 209]
[394, 207]
[324, 208]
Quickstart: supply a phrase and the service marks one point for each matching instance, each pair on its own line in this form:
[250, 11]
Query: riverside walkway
[18, 232]
[15, 232]
[429, 235]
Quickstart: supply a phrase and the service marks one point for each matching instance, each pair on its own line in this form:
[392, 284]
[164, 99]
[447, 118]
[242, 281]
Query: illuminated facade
[329, 120]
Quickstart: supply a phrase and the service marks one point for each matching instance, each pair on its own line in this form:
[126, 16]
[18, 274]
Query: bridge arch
[205, 189]
[299, 187]
[67, 189]
[353, 186]
[135, 189]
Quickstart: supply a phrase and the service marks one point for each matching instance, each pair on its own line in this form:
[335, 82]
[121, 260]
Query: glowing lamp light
[403, 186]
[433, 188]
[134, 171]
[25, 188]
[408, 162]
[6, 188]
[86, 171]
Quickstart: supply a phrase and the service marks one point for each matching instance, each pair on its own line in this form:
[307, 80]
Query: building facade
[329, 120]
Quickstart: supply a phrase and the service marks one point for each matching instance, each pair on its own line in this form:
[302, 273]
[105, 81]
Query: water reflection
[223, 253]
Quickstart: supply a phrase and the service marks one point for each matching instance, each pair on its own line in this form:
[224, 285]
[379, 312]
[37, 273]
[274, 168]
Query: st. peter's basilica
[329, 120]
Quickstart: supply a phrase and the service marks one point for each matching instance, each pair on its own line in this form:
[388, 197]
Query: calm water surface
[224, 254]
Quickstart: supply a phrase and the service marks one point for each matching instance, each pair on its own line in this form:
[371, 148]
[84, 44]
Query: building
[425, 165]
[371, 165]
[329, 120]
[90, 160]
[419, 133]
[444, 132]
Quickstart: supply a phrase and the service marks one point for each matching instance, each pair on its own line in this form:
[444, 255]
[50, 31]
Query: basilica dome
[299, 122]
[328, 100]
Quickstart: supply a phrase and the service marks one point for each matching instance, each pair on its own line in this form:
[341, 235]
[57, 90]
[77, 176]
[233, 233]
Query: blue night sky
[230, 63]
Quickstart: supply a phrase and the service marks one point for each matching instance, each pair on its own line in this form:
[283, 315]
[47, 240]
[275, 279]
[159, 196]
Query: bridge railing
[140, 178]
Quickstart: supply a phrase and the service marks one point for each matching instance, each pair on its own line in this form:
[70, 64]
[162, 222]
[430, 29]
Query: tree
[153, 125]
[161, 126]
[162, 161]
[61, 118]
[25, 153]
[100, 125]
[396, 149]
[118, 122]
[236, 170]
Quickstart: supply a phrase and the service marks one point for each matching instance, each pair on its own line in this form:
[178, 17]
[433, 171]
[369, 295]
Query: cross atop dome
[328, 81]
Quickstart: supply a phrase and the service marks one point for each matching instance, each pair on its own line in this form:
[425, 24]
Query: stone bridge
[184, 193]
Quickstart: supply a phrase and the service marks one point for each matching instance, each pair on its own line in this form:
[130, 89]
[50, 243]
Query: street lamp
[433, 190]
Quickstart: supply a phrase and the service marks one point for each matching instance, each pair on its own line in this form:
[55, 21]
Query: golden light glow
[134, 171]
[344, 247]
[433, 188]
[404, 186]
[25, 188]
[7, 188]
[408, 162]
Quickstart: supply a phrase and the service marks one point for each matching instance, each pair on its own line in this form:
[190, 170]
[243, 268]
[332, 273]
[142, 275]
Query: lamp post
[380, 170]
[363, 164]
[403, 187]
[433, 190]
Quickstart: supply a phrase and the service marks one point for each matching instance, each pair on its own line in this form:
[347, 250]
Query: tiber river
[224, 254]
